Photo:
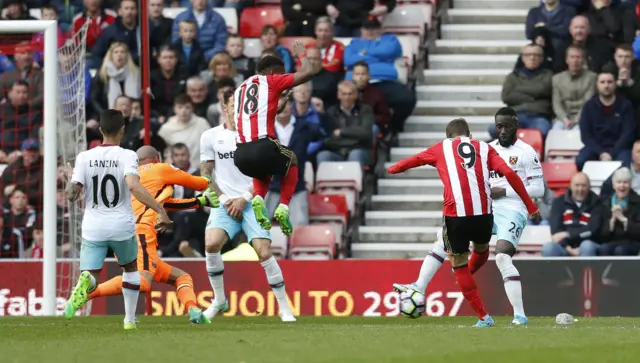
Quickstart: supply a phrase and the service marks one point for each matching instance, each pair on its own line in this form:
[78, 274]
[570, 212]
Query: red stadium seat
[287, 42]
[328, 207]
[532, 137]
[315, 242]
[339, 174]
[253, 20]
[558, 175]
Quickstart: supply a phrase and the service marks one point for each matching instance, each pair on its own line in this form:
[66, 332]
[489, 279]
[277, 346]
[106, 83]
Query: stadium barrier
[581, 287]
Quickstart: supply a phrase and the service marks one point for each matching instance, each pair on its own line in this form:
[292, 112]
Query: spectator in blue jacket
[212, 30]
[552, 15]
[269, 40]
[5, 64]
[124, 30]
[607, 124]
[304, 110]
[380, 52]
[67, 10]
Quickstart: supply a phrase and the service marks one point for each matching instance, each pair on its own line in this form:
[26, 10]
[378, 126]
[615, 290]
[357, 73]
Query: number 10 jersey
[108, 213]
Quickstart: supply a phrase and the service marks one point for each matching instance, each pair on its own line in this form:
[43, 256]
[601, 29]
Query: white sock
[130, 292]
[215, 269]
[275, 279]
[431, 264]
[512, 284]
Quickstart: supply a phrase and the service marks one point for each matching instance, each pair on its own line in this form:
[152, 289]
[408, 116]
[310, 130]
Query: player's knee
[263, 248]
[480, 248]
[503, 260]
[213, 242]
[505, 247]
[131, 266]
[459, 259]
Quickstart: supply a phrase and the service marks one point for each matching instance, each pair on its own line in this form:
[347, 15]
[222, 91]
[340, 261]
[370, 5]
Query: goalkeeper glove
[208, 198]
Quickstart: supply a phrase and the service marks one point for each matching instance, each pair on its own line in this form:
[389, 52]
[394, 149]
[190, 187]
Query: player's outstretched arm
[497, 164]
[177, 176]
[427, 157]
[143, 196]
[178, 204]
[306, 71]
[206, 170]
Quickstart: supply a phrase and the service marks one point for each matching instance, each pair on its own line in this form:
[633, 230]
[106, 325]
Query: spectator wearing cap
[332, 51]
[28, 71]
[380, 51]
[620, 231]
[212, 30]
[17, 120]
[628, 74]
[26, 172]
[371, 96]
[324, 83]
[235, 48]
[552, 15]
[97, 18]
[269, 40]
[125, 30]
[166, 83]
[160, 26]
[598, 53]
[349, 15]
[607, 124]
[20, 218]
[301, 16]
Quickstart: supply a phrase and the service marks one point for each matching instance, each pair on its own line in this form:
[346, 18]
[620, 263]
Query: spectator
[5, 64]
[348, 15]
[628, 74]
[25, 172]
[541, 37]
[67, 10]
[118, 76]
[25, 70]
[610, 25]
[98, 19]
[552, 15]
[199, 95]
[160, 27]
[185, 127]
[575, 220]
[134, 130]
[606, 190]
[607, 124]
[324, 83]
[350, 129]
[380, 52]
[528, 91]
[297, 134]
[20, 218]
[269, 40]
[212, 30]
[181, 159]
[17, 121]
[11, 241]
[332, 51]
[166, 84]
[221, 66]
[301, 15]
[620, 231]
[571, 89]
[304, 110]
[49, 12]
[598, 53]
[124, 29]
[235, 48]
[371, 96]
[215, 110]
[190, 54]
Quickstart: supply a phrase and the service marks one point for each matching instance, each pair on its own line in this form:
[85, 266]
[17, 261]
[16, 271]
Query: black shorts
[263, 158]
[458, 232]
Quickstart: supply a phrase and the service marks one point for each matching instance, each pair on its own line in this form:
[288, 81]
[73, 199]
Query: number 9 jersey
[108, 214]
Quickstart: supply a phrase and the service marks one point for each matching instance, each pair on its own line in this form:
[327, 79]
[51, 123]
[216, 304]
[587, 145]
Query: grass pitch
[316, 339]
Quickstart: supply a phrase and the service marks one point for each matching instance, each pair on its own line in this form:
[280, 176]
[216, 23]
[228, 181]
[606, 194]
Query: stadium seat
[278, 243]
[314, 242]
[339, 174]
[309, 177]
[287, 42]
[252, 47]
[599, 171]
[253, 20]
[230, 16]
[332, 210]
[410, 48]
[562, 144]
[409, 19]
[558, 175]
[171, 13]
[403, 70]
[344, 41]
[532, 137]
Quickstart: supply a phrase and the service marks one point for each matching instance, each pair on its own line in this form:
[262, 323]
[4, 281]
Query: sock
[469, 289]
[478, 260]
[184, 288]
[431, 264]
[215, 269]
[130, 291]
[275, 279]
[288, 185]
[114, 287]
[261, 187]
[512, 284]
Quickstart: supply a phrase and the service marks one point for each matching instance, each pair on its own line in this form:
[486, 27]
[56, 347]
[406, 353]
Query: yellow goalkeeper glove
[208, 198]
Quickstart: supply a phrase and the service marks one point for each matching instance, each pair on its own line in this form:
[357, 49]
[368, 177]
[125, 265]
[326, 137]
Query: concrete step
[409, 186]
[404, 218]
[472, 61]
[483, 31]
[427, 139]
[439, 123]
[496, 4]
[423, 172]
[389, 250]
[399, 234]
[459, 92]
[446, 46]
[479, 15]
[443, 108]
[414, 202]
[466, 76]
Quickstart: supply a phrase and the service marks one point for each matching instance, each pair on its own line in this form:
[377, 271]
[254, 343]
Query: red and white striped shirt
[463, 165]
[256, 106]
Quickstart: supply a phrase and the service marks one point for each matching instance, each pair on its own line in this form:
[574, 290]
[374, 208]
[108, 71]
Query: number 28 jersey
[108, 214]
[256, 106]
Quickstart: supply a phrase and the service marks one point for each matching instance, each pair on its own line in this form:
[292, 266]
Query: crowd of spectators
[354, 99]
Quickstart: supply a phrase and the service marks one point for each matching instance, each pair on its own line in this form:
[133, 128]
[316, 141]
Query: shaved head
[147, 154]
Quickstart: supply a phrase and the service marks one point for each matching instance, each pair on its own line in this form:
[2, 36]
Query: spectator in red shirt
[332, 51]
[97, 18]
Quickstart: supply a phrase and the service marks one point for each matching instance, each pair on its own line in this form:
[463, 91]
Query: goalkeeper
[158, 179]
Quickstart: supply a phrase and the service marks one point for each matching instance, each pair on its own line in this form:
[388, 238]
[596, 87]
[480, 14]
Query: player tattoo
[73, 191]
[206, 169]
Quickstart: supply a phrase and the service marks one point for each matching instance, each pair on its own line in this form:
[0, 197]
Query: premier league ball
[412, 304]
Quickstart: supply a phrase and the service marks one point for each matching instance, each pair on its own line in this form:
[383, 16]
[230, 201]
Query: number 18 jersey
[108, 214]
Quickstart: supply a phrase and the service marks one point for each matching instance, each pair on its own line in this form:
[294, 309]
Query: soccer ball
[412, 304]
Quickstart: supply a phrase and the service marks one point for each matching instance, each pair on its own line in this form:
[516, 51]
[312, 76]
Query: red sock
[477, 260]
[469, 289]
[261, 187]
[288, 185]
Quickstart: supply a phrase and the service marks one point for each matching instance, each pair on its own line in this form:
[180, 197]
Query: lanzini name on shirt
[103, 163]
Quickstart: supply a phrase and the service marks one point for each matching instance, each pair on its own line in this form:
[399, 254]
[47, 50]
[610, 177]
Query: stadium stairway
[479, 45]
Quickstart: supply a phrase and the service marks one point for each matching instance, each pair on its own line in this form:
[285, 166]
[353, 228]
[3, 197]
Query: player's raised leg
[126, 252]
[260, 189]
[288, 186]
[219, 228]
[92, 256]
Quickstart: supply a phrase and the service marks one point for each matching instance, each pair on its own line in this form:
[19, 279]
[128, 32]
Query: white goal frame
[50, 148]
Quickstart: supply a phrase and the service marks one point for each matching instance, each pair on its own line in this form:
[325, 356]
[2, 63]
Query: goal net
[26, 170]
